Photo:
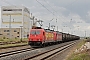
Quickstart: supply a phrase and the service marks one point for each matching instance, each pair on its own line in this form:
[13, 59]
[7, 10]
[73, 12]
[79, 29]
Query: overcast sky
[72, 16]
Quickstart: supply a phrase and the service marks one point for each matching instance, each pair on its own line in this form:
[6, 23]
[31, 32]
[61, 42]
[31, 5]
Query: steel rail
[15, 52]
[46, 54]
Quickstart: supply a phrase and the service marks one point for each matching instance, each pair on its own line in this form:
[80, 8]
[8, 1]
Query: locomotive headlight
[29, 39]
[39, 39]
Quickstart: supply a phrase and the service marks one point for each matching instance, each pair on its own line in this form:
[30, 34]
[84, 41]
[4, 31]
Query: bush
[88, 40]
[4, 37]
[15, 37]
[82, 56]
[1, 40]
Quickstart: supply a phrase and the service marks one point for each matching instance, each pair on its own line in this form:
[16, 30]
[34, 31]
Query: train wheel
[43, 44]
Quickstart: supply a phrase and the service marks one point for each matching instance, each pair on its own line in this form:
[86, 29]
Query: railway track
[48, 54]
[15, 52]
[35, 54]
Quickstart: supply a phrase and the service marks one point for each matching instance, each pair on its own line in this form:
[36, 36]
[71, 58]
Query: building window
[5, 30]
[7, 9]
[17, 36]
[8, 30]
[12, 9]
[7, 33]
[13, 20]
[24, 36]
[15, 31]
[1, 34]
[2, 20]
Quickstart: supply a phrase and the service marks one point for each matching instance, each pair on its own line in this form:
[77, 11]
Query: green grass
[9, 45]
[13, 40]
[80, 44]
[79, 56]
[82, 56]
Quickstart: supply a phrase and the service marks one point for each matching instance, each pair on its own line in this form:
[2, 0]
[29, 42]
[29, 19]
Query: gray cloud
[77, 10]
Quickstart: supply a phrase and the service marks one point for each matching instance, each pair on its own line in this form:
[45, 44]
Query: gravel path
[63, 55]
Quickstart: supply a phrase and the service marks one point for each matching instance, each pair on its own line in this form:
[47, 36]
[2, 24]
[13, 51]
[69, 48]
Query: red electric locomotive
[39, 36]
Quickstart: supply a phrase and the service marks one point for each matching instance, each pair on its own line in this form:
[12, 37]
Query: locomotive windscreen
[35, 32]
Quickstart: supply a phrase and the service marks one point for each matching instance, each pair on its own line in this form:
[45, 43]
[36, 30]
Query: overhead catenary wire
[45, 7]
[55, 12]
[13, 5]
[7, 2]
[47, 10]
[50, 6]
[39, 3]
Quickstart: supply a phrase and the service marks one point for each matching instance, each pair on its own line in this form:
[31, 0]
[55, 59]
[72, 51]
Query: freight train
[40, 37]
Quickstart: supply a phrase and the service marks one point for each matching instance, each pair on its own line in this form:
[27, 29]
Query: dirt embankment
[81, 53]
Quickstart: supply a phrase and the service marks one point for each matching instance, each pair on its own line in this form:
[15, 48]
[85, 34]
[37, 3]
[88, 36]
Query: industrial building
[5, 33]
[16, 17]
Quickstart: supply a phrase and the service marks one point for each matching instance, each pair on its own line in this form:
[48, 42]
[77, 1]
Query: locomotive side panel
[59, 36]
[49, 36]
[55, 36]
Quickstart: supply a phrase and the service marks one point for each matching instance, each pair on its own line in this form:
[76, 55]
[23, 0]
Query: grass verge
[79, 56]
[13, 45]
[12, 40]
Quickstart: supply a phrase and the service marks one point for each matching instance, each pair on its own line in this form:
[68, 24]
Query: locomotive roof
[34, 27]
[48, 30]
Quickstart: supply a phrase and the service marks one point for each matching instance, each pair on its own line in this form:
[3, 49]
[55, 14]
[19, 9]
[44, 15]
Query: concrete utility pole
[56, 25]
[10, 27]
[33, 20]
[85, 34]
[57, 28]
[49, 26]
[21, 33]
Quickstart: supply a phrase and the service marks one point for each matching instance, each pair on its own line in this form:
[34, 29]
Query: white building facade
[16, 17]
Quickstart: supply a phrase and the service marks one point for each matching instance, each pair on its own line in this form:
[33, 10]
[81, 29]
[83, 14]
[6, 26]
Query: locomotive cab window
[34, 32]
[37, 32]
